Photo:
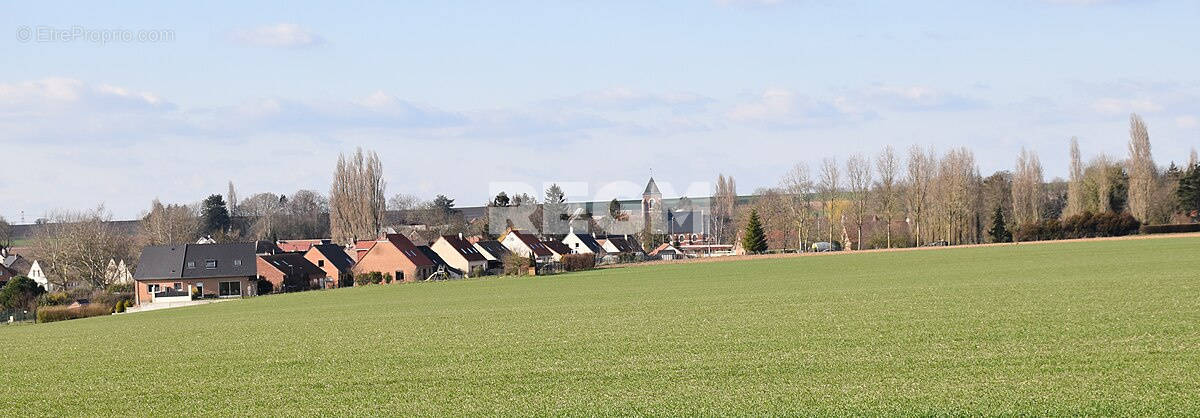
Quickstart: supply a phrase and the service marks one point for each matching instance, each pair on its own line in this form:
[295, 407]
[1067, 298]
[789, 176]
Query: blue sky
[455, 95]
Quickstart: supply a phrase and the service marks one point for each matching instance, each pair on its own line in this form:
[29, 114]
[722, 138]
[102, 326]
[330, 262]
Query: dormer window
[210, 264]
[237, 262]
[191, 264]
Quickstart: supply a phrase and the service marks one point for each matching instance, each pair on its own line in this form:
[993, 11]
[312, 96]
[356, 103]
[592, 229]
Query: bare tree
[305, 216]
[858, 178]
[231, 196]
[77, 247]
[1075, 188]
[919, 179]
[169, 224]
[1192, 160]
[829, 186]
[956, 186]
[796, 188]
[266, 209]
[1140, 166]
[1027, 188]
[6, 239]
[356, 198]
[723, 202]
[886, 189]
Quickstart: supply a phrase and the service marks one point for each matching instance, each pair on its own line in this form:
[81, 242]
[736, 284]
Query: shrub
[373, 277]
[120, 307]
[478, 272]
[1170, 229]
[387, 278]
[20, 292]
[516, 265]
[1084, 225]
[54, 299]
[63, 313]
[577, 262]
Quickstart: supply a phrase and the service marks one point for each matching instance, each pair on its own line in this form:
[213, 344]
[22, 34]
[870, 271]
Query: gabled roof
[191, 261]
[291, 263]
[532, 242]
[557, 247]
[464, 248]
[663, 247]
[335, 254]
[407, 248]
[590, 242]
[625, 244]
[494, 248]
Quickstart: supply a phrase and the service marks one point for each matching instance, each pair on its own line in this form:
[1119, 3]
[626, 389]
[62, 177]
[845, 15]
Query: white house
[584, 244]
[525, 244]
[459, 253]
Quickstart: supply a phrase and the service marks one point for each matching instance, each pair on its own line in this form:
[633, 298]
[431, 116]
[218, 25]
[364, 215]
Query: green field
[1095, 328]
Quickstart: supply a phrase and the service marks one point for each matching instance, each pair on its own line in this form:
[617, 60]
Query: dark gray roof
[292, 263]
[590, 242]
[651, 188]
[172, 261]
[495, 248]
[160, 262]
[464, 248]
[233, 260]
[336, 255]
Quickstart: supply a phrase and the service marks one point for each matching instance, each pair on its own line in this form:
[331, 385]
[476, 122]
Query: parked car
[937, 244]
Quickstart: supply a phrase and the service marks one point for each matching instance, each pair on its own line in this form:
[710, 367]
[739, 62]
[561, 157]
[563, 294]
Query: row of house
[187, 272]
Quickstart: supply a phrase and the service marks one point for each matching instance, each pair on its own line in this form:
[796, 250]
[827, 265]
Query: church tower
[652, 207]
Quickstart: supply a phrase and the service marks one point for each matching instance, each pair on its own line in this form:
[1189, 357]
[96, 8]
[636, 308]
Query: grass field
[1095, 328]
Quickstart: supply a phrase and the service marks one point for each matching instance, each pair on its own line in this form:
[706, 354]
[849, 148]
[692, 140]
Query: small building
[204, 270]
[526, 245]
[291, 272]
[337, 263]
[460, 254]
[395, 254]
[666, 251]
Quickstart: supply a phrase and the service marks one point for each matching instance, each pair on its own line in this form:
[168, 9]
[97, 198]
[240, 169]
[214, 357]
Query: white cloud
[1186, 122]
[280, 35]
[783, 108]
[625, 98]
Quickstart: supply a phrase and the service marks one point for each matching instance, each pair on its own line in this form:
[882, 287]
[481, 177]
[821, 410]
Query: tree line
[925, 197]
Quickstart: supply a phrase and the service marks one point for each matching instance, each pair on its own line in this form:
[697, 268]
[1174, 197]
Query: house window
[229, 289]
[153, 288]
[191, 264]
[178, 286]
[210, 264]
[320, 263]
[399, 276]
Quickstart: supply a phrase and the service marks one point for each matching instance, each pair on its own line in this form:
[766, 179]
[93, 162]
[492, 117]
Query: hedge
[1170, 229]
[1084, 225]
[62, 313]
[577, 262]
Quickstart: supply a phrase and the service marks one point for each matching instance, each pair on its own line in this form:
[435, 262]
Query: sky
[119, 105]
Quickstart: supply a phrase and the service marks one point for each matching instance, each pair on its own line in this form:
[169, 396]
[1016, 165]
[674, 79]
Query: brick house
[290, 272]
[395, 254]
[459, 253]
[337, 263]
[180, 272]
